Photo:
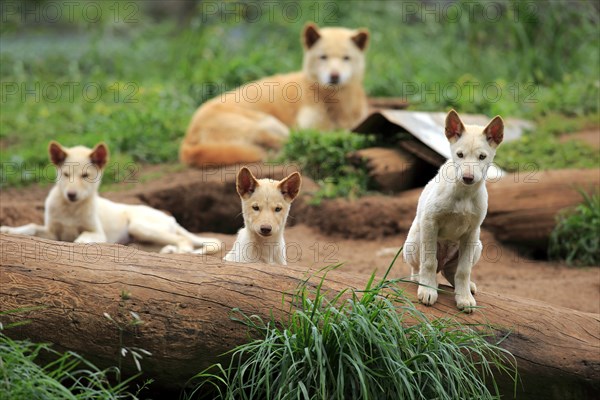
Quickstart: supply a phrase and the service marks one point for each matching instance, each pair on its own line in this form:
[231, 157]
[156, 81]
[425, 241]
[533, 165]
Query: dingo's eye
[460, 154]
[255, 208]
[277, 209]
[482, 157]
[66, 174]
[346, 58]
[323, 57]
[85, 175]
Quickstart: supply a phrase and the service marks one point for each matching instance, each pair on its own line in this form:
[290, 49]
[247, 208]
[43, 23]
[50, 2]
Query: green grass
[542, 148]
[575, 238]
[152, 75]
[68, 376]
[370, 344]
[323, 157]
[545, 152]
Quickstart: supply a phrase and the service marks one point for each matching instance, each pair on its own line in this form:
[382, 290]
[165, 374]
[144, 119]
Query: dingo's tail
[206, 154]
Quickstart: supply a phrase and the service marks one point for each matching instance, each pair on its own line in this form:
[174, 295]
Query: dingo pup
[445, 233]
[74, 211]
[327, 94]
[265, 206]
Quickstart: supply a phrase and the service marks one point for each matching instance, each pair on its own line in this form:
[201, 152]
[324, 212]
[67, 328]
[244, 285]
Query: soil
[205, 201]
[589, 136]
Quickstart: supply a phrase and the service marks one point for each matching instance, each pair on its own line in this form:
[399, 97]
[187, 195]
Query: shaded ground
[364, 249]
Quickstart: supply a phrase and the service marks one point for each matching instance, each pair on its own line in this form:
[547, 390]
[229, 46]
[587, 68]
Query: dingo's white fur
[445, 233]
[265, 207]
[241, 125]
[74, 211]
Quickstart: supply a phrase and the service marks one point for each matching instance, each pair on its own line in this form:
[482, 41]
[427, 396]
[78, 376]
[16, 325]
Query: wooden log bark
[522, 207]
[391, 170]
[185, 302]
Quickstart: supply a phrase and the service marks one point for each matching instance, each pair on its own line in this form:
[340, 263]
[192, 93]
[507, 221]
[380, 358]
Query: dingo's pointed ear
[361, 39]
[454, 126]
[57, 153]
[494, 131]
[290, 186]
[246, 183]
[310, 35]
[99, 155]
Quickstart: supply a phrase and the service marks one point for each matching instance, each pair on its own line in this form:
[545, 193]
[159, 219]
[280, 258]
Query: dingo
[75, 212]
[240, 125]
[445, 233]
[265, 206]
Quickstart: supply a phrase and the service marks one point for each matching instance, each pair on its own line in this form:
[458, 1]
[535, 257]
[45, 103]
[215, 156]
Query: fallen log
[522, 207]
[391, 170]
[185, 302]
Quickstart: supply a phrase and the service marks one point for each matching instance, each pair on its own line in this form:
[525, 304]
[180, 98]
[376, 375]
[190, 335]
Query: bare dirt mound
[360, 234]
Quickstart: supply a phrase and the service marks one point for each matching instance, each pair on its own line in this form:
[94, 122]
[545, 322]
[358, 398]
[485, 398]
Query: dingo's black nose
[334, 79]
[72, 196]
[265, 229]
[468, 179]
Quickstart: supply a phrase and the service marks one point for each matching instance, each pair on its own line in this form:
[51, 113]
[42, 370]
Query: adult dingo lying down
[445, 233]
[265, 207]
[74, 212]
[240, 125]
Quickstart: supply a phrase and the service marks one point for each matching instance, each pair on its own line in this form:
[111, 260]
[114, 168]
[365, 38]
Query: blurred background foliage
[131, 73]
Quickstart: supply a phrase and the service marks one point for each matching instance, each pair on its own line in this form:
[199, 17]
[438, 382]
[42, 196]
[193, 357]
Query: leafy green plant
[370, 344]
[323, 157]
[575, 237]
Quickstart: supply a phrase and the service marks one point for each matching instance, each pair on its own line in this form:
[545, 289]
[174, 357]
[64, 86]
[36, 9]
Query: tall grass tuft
[575, 238]
[370, 344]
[69, 376]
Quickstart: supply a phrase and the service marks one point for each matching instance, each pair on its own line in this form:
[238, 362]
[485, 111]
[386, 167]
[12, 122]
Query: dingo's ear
[99, 155]
[310, 35]
[454, 126]
[361, 39]
[494, 131]
[246, 183]
[290, 186]
[57, 153]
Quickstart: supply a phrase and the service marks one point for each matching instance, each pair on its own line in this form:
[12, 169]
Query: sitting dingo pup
[238, 126]
[265, 207]
[445, 233]
[74, 212]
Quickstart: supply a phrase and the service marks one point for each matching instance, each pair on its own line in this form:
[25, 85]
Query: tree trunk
[185, 301]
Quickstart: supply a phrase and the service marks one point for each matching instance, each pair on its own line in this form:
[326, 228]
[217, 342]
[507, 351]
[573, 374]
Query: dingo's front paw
[465, 302]
[427, 295]
[473, 287]
[170, 249]
[4, 229]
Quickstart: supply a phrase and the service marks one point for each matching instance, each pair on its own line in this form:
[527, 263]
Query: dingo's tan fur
[74, 211]
[239, 126]
[445, 233]
[265, 207]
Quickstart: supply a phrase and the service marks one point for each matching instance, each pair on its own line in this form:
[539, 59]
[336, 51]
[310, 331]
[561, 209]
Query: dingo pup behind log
[445, 233]
[265, 207]
[74, 212]
[240, 125]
